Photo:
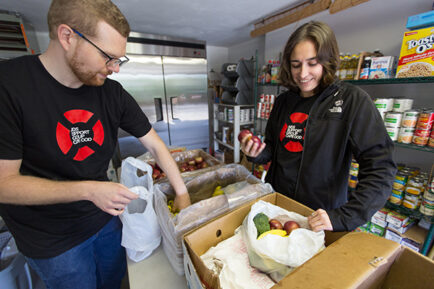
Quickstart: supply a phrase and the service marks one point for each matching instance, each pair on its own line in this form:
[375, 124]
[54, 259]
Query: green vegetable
[261, 223]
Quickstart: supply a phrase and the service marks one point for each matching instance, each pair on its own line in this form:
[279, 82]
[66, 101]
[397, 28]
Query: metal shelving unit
[236, 124]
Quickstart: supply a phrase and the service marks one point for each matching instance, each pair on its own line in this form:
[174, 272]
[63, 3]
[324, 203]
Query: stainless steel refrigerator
[168, 78]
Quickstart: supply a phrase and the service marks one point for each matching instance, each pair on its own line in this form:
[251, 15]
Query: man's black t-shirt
[60, 133]
[292, 128]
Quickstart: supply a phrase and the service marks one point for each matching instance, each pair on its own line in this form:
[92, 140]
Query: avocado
[261, 223]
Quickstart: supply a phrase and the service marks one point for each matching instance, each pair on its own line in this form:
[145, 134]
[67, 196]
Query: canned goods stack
[265, 105]
[427, 205]
[408, 188]
[392, 111]
[246, 115]
[354, 172]
[424, 125]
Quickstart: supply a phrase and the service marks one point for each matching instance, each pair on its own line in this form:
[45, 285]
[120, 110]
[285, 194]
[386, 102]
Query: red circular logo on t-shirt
[79, 132]
[294, 132]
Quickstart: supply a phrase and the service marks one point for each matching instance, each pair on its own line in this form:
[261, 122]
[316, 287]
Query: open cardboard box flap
[357, 260]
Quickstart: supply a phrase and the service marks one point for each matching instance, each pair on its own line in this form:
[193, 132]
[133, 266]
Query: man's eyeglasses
[111, 62]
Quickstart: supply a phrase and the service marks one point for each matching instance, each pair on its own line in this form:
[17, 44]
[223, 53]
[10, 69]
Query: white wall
[373, 24]
[43, 40]
[216, 56]
[247, 49]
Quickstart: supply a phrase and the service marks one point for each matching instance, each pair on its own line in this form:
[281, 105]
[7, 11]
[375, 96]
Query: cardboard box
[353, 260]
[396, 219]
[413, 238]
[404, 228]
[420, 20]
[417, 52]
[381, 67]
[377, 230]
[198, 241]
[204, 207]
[381, 214]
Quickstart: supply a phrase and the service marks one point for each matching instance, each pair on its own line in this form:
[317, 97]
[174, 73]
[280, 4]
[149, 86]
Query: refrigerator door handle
[171, 107]
[158, 108]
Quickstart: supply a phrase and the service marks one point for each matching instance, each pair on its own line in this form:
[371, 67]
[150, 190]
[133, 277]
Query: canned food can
[402, 104]
[384, 104]
[431, 142]
[262, 97]
[352, 184]
[425, 120]
[393, 132]
[422, 132]
[230, 114]
[428, 195]
[395, 200]
[405, 135]
[409, 204]
[393, 119]
[272, 98]
[419, 140]
[414, 186]
[409, 118]
[400, 181]
[427, 207]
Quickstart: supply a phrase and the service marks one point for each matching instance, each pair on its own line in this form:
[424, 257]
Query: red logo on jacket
[79, 134]
[294, 132]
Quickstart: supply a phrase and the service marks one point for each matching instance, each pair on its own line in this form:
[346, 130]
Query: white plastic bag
[277, 255]
[229, 260]
[129, 177]
[140, 232]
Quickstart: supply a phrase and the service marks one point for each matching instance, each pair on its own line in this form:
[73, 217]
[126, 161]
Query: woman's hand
[251, 149]
[319, 220]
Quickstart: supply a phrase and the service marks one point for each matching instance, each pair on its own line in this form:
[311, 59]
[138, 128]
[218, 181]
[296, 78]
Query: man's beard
[86, 77]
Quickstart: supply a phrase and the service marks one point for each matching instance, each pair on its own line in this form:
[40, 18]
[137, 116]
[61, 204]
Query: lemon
[281, 233]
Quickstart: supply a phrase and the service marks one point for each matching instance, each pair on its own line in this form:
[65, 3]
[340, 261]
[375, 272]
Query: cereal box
[381, 67]
[417, 54]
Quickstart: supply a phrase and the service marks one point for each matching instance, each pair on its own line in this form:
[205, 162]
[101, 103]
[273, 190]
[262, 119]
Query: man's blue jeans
[99, 262]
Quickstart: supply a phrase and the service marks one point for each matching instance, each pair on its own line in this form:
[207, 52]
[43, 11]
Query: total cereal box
[417, 54]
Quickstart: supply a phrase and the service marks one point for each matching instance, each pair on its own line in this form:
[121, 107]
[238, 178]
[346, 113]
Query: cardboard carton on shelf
[353, 260]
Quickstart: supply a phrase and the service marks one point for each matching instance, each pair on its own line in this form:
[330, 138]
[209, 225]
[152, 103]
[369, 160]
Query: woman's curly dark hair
[323, 37]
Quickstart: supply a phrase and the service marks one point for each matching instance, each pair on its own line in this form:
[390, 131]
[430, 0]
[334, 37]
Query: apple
[275, 224]
[256, 140]
[156, 173]
[290, 226]
[191, 168]
[191, 162]
[198, 159]
[243, 134]
[203, 165]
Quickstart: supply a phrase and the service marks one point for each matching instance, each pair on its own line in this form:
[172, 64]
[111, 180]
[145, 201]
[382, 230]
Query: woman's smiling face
[306, 71]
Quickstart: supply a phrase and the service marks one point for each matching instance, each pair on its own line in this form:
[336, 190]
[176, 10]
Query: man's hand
[319, 220]
[111, 197]
[181, 201]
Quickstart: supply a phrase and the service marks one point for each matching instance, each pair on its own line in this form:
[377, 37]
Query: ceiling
[219, 23]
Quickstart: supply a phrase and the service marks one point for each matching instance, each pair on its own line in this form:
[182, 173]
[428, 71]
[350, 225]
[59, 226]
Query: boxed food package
[342, 264]
[420, 20]
[381, 67]
[237, 183]
[412, 238]
[190, 163]
[417, 52]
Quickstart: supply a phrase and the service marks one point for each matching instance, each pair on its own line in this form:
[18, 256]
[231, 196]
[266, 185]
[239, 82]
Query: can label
[420, 141]
[409, 118]
[422, 132]
[425, 120]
